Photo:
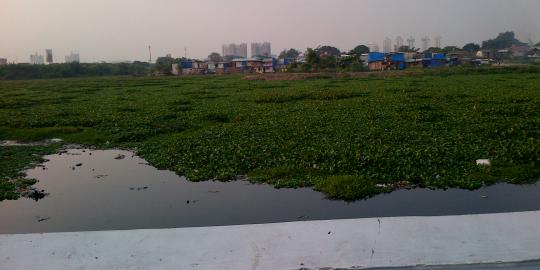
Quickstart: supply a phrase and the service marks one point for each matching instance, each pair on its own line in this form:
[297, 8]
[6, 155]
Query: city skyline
[124, 29]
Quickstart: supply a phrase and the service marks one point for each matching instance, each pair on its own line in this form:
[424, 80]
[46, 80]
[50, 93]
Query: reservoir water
[115, 190]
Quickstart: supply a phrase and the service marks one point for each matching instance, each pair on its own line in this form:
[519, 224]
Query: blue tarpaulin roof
[439, 56]
[186, 64]
[398, 57]
[375, 56]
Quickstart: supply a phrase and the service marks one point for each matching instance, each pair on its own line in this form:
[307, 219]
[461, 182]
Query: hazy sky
[122, 29]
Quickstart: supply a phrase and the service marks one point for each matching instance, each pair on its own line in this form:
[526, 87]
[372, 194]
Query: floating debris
[56, 140]
[99, 176]
[213, 191]
[138, 188]
[34, 194]
[78, 164]
[241, 177]
[41, 219]
[120, 156]
[483, 162]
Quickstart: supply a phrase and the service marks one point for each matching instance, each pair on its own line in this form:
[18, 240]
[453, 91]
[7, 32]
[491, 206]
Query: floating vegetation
[350, 138]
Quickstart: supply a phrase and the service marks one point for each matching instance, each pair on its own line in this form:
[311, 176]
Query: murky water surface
[94, 190]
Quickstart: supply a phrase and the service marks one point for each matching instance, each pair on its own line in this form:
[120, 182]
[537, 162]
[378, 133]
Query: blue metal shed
[439, 56]
[398, 57]
[186, 64]
[375, 57]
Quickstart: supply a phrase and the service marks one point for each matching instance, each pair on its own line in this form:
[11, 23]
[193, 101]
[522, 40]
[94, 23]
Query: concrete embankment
[353, 243]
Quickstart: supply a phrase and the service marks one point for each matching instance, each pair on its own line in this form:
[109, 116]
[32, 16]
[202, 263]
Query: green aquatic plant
[348, 137]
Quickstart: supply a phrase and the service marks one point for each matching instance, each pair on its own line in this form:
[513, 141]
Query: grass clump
[349, 187]
[13, 160]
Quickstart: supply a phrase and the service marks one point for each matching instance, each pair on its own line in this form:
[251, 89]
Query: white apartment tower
[261, 49]
[399, 43]
[425, 43]
[72, 58]
[438, 41]
[387, 45]
[236, 50]
[410, 42]
[37, 59]
[373, 47]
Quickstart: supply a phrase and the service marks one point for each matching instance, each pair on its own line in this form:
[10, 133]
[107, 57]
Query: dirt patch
[303, 76]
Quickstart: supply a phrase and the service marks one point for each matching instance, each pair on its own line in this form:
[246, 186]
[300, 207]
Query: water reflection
[98, 190]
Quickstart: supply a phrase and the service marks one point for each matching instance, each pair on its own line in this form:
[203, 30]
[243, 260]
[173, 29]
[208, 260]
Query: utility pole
[185, 52]
[150, 53]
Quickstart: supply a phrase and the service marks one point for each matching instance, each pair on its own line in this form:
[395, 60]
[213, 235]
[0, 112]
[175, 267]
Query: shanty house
[211, 67]
[238, 65]
[254, 65]
[397, 61]
[376, 61]
[199, 67]
[187, 67]
[269, 65]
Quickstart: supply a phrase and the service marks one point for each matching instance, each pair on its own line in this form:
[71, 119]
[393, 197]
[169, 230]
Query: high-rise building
[261, 49]
[438, 41]
[49, 56]
[373, 47]
[3, 61]
[72, 58]
[399, 43]
[410, 42]
[387, 45]
[235, 50]
[425, 43]
[37, 59]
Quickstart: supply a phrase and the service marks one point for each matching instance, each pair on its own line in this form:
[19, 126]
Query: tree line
[67, 70]
[322, 58]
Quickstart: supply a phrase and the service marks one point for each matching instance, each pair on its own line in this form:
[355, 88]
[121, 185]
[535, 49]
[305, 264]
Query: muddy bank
[316, 75]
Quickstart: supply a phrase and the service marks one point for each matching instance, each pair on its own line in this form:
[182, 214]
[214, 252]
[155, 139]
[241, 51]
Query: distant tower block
[438, 41]
[399, 43]
[49, 56]
[373, 47]
[425, 43]
[410, 42]
[387, 45]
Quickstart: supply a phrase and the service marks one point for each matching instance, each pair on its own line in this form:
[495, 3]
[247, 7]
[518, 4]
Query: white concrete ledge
[372, 242]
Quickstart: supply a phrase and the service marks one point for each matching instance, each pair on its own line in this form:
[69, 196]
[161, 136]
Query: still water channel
[107, 193]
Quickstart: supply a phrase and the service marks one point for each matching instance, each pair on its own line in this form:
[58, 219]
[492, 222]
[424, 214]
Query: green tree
[215, 57]
[435, 50]
[351, 63]
[328, 51]
[164, 65]
[449, 49]
[289, 54]
[406, 48]
[503, 41]
[359, 50]
[471, 47]
[313, 60]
